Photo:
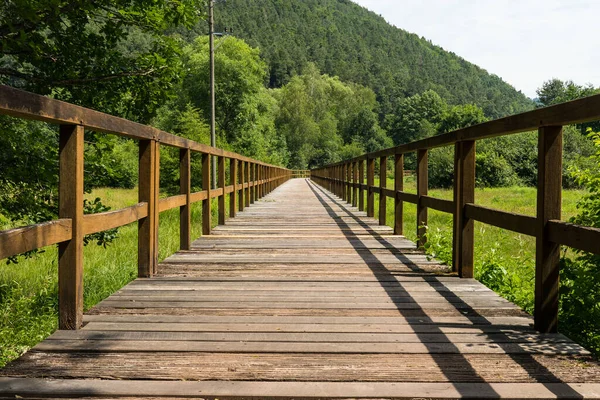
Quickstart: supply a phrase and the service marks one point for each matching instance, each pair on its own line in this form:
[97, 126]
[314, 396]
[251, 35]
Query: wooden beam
[578, 237]
[548, 208]
[185, 188]
[361, 181]
[19, 240]
[247, 194]
[233, 177]
[221, 184]
[513, 222]
[206, 204]
[148, 193]
[93, 223]
[422, 187]
[242, 176]
[398, 187]
[70, 252]
[465, 189]
[370, 185]
[382, 186]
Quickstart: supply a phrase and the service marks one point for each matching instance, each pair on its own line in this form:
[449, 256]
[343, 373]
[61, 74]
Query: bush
[492, 170]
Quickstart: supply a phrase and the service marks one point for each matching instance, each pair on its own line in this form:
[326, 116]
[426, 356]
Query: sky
[525, 42]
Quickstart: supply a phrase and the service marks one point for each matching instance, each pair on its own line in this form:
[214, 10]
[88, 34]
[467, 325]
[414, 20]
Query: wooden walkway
[303, 296]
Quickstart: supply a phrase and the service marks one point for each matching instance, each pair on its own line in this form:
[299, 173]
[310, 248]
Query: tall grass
[29, 289]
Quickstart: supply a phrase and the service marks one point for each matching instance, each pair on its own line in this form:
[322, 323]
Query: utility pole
[211, 41]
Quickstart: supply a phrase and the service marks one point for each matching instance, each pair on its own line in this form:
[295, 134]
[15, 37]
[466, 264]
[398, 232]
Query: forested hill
[357, 45]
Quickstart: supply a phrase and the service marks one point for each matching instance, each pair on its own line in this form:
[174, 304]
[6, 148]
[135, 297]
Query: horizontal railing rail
[347, 180]
[249, 180]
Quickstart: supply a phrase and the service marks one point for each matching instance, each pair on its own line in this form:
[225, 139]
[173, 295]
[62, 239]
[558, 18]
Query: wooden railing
[347, 180]
[301, 173]
[249, 180]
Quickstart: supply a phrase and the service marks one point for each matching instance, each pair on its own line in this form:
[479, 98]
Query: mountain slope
[357, 45]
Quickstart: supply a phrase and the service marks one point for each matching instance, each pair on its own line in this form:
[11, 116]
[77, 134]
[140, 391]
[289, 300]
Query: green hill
[345, 39]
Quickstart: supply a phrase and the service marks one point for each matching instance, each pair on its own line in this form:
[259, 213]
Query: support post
[221, 183]
[241, 181]
[233, 175]
[422, 185]
[348, 182]
[370, 185]
[464, 190]
[247, 179]
[547, 253]
[70, 253]
[382, 186]
[185, 188]
[398, 187]
[361, 181]
[355, 182]
[206, 203]
[148, 193]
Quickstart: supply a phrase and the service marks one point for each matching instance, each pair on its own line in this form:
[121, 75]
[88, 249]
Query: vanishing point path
[303, 296]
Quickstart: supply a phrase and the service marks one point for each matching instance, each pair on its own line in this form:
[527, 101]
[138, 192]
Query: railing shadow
[457, 368]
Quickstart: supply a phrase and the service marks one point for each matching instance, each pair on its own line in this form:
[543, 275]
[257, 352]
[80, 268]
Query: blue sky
[526, 42]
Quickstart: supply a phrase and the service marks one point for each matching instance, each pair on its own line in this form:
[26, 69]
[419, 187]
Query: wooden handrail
[546, 227]
[68, 231]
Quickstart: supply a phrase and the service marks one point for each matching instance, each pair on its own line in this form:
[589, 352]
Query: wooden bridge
[300, 292]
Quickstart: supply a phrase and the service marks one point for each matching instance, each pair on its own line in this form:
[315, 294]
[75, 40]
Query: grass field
[28, 290]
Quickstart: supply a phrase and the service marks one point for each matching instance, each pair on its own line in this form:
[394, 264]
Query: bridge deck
[303, 296]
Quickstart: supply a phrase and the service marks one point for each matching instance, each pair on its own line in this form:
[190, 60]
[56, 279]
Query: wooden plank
[382, 186]
[513, 222]
[70, 252]
[19, 240]
[442, 205]
[93, 345]
[185, 210]
[370, 187]
[148, 193]
[100, 222]
[293, 390]
[549, 201]
[578, 237]
[221, 185]
[398, 187]
[422, 186]
[206, 203]
[313, 337]
[233, 180]
[172, 202]
[198, 196]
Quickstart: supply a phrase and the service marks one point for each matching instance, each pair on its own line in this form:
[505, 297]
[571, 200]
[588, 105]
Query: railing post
[70, 253]
[349, 183]
[242, 173]
[206, 204]
[233, 172]
[354, 183]
[361, 181]
[398, 187]
[343, 182]
[148, 193]
[247, 179]
[221, 184]
[185, 188]
[382, 186]
[549, 198]
[464, 193]
[370, 185]
[422, 185]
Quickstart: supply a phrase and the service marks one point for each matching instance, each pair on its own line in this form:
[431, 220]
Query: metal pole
[211, 41]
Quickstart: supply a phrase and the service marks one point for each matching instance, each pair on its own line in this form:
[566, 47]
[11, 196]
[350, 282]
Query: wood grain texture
[19, 240]
[299, 292]
[93, 223]
[70, 253]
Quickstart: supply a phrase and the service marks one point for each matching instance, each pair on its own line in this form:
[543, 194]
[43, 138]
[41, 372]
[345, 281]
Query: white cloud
[526, 42]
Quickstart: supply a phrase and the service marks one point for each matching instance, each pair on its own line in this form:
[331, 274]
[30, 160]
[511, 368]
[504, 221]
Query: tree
[110, 55]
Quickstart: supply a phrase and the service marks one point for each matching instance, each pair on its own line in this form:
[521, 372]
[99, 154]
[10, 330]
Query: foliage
[108, 54]
[322, 118]
[346, 40]
[580, 277]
